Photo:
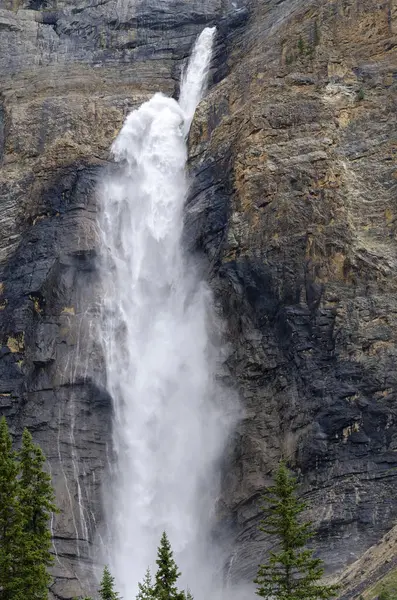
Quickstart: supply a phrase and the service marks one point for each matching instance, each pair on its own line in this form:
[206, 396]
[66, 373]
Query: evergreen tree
[10, 516]
[146, 590]
[36, 499]
[291, 573]
[167, 573]
[188, 595]
[107, 591]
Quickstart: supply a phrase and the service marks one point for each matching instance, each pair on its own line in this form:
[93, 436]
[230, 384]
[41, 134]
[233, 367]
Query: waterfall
[195, 76]
[169, 428]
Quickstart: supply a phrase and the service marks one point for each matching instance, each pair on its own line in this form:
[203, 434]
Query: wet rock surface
[293, 203]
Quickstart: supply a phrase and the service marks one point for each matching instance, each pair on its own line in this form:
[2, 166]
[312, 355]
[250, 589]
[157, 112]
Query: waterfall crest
[169, 429]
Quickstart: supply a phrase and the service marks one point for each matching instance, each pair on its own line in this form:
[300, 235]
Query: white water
[195, 76]
[169, 427]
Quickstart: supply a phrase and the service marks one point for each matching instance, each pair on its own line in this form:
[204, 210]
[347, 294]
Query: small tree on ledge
[292, 573]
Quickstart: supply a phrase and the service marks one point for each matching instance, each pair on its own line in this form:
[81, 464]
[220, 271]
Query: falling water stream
[161, 362]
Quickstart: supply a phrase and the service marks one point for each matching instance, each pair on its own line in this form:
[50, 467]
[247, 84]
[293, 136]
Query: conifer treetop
[106, 590]
[146, 589]
[188, 594]
[167, 573]
[291, 573]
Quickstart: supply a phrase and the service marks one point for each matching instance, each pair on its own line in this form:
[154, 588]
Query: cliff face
[70, 74]
[293, 202]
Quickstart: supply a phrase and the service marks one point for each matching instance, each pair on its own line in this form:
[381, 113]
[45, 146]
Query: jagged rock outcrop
[293, 202]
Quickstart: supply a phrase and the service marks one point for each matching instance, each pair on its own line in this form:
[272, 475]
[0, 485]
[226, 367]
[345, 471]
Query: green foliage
[167, 573]
[10, 516]
[36, 498]
[360, 95]
[387, 594]
[102, 39]
[301, 46]
[291, 573]
[146, 589]
[164, 586]
[26, 502]
[316, 34]
[106, 590]
[387, 584]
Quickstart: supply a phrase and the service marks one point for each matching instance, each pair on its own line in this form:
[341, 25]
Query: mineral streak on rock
[293, 203]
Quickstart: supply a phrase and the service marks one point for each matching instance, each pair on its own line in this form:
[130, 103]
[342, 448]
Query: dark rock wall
[47, 361]
[293, 203]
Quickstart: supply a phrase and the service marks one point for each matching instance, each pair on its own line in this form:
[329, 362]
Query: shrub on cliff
[291, 572]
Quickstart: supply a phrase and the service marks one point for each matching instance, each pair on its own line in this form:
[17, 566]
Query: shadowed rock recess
[293, 153]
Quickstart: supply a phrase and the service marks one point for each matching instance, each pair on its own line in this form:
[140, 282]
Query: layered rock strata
[70, 75]
[294, 203]
[293, 154]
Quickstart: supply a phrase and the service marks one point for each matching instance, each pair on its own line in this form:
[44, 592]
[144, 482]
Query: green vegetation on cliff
[384, 589]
